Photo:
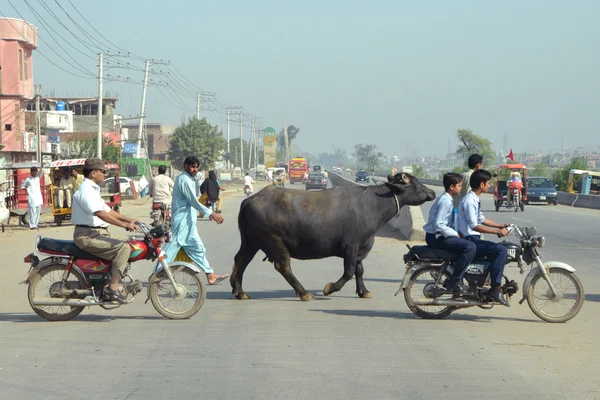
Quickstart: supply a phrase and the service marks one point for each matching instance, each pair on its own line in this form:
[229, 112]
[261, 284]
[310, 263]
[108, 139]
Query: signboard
[270, 147]
[130, 148]
[225, 176]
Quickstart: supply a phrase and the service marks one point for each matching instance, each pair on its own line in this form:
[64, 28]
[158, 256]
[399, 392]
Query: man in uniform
[91, 217]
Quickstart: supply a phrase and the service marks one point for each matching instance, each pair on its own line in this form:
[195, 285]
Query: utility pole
[285, 138]
[241, 139]
[37, 125]
[228, 154]
[142, 114]
[100, 101]
[252, 142]
[198, 106]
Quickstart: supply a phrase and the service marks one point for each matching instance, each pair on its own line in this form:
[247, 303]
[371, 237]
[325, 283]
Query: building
[18, 39]
[158, 138]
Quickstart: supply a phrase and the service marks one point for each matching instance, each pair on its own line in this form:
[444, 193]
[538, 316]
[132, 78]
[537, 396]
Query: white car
[125, 184]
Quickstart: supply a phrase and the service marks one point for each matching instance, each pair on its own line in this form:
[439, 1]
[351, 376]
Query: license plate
[542, 197]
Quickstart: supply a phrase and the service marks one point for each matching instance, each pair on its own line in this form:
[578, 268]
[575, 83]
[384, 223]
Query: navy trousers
[465, 249]
[496, 253]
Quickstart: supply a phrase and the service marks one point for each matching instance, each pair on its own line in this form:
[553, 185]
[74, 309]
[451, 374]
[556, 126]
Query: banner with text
[270, 146]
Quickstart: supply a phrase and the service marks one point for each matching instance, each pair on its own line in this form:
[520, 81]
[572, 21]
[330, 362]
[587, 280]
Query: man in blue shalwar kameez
[185, 207]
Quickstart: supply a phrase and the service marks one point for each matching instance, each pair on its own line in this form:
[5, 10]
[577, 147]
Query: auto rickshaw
[279, 177]
[14, 199]
[510, 186]
[111, 193]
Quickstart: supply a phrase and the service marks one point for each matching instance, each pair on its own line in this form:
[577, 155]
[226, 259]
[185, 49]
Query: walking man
[185, 207]
[34, 196]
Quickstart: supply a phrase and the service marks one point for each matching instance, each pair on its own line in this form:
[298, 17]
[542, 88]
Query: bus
[297, 167]
[584, 182]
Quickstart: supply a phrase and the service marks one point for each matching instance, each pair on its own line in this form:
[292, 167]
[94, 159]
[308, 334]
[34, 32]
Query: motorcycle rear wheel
[163, 295]
[41, 283]
[427, 275]
[541, 302]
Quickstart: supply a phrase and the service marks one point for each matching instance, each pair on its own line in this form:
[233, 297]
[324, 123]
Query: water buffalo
[340, 222]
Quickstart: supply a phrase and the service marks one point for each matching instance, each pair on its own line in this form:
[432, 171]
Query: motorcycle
[160, 214]
[516, 201]
[552, 290]
[248, 190]
[69, 279]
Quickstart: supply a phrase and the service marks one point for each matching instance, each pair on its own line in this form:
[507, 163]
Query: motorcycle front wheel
[182, 303]
[48, 280]
[422, 284]
[562, 307]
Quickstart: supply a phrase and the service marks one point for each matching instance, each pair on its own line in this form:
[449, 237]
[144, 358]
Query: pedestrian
[212, 187]
[91, 217]
[34, 196]
[185, 207]
[143, 186]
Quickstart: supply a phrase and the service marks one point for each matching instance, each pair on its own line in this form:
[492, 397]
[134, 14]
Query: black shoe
[498, 297]
[459, 289]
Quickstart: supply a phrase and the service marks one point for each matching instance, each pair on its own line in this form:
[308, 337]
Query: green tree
[368, 154]
[540, 169]
[292, 133]
[470, 143]
[561, 177]
[418, 171]
[196, 138]
[234, 150]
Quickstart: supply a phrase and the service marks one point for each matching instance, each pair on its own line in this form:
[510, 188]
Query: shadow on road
[592, 297]
[19, 317]
[410, 315]
[267, 295]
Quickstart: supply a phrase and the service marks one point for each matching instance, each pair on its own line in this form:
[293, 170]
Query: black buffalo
[340, 222]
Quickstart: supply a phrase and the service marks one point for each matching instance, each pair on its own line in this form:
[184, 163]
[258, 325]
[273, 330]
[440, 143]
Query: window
[20, 64]
[26, 67]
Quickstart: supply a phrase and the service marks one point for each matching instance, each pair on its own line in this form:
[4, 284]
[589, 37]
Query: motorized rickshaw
[279, 176]
[111, 193]
[510, 186]
[14, 198]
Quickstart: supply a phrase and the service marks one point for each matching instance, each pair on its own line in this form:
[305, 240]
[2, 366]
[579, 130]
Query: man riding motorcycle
[248, 181]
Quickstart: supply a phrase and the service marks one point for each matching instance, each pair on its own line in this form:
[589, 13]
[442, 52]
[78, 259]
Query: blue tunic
[185, 207]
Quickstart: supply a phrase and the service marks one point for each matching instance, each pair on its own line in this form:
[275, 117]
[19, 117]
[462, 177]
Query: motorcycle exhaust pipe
[446, 302]
[50, 301]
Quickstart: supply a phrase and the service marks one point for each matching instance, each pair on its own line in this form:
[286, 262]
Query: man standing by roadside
[185, 209]
[91, 217]
[161, 187]
[34, 196]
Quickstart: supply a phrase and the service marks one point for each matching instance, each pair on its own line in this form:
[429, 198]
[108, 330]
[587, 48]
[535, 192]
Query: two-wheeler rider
[472, 223]
[91, 217]
[161, 187]
[440, 233]
[248, 181]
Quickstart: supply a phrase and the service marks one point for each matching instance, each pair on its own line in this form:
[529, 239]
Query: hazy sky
[398, 74]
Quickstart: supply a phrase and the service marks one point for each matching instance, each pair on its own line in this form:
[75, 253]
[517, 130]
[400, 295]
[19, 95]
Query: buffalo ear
[406, 178]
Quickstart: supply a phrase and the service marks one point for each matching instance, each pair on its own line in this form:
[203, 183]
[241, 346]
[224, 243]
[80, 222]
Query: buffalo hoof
[365, 295]
[242, 296]
[307, 297]
[328, 289]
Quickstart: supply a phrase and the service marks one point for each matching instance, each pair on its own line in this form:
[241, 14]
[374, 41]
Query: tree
[196, 138]
[292, 133]
[234, 150]
[540, 169]
[368, 154]
[561, 176]
[471, 143]
[418, 171]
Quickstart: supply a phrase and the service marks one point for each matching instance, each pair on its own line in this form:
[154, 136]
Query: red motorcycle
[161, 214]
[69, 279]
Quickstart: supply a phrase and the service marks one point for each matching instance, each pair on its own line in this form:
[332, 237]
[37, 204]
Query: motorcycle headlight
[541, 241]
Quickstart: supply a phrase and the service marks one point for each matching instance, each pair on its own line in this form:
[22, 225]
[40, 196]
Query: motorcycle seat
[63, 247]
[429, 253]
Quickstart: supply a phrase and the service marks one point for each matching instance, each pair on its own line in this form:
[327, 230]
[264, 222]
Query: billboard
[270, 147]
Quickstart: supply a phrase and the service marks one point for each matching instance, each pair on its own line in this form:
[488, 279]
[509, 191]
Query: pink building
[18, 39]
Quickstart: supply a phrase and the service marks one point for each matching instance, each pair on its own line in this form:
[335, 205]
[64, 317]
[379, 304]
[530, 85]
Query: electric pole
[37, 124]
[285, 138]
[142, 114]
[198, 106]
[100, 101]
[252, 142]
[241, 139]
[228, 154]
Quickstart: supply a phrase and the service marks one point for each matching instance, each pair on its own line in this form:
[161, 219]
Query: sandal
[219, 279]
[116, 295]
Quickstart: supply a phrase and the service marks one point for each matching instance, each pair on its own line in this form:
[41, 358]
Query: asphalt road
[277, 347]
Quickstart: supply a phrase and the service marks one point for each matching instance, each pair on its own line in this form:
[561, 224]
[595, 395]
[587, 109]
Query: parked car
[542, 190]
[316, 181]
[361, 176]
[125, 185]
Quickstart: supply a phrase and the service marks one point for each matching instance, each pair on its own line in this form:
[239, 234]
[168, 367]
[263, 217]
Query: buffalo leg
[361, 289]
[241, 261]
[350, 262]
[284, 267]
